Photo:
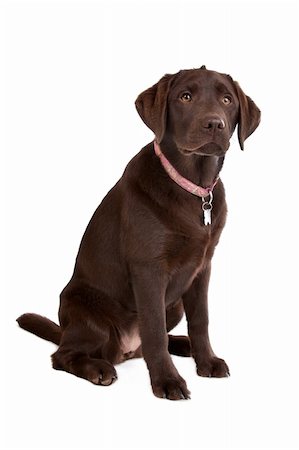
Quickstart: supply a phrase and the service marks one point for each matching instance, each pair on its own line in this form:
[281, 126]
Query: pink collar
[179, 179]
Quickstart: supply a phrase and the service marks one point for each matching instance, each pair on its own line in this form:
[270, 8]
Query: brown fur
[145, 257]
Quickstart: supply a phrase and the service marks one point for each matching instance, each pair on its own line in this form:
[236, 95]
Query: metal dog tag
[207, 216]
[207, 210]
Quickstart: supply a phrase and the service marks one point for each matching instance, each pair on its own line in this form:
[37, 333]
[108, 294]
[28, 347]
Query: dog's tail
[41, 326]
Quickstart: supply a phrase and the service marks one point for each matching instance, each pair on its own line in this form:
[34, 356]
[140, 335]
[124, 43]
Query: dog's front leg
[196, 308]
[149, 286]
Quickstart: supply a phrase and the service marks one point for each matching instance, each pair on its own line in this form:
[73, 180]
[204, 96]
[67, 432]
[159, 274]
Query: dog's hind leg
[177, 345]
[88, 346]
[79, 354]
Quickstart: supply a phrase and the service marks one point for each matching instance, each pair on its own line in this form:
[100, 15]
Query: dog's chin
[210, 149]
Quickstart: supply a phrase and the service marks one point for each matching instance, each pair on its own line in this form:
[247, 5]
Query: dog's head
[199, 110]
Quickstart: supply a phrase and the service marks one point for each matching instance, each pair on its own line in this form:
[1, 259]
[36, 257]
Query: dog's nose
[213, 123]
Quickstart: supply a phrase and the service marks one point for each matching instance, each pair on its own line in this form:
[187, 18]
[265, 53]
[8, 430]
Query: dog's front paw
[212, 367]
[172, 387]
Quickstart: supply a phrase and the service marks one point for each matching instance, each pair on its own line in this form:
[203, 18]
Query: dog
[145, 257]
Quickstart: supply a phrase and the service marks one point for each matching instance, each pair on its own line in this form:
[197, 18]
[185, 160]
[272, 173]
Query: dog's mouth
[209, 149]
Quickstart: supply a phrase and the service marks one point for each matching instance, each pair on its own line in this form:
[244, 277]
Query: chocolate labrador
[145, 257]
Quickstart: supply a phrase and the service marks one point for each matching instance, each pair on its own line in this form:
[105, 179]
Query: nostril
[221, 124]
[214, 123]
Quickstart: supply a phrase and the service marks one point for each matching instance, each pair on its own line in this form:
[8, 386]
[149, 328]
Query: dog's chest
[187, 257]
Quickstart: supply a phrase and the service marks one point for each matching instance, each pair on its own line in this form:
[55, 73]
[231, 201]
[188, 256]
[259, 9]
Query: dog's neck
[201, 170]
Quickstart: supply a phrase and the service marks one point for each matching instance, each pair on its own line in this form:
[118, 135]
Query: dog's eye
[227, 100]
[186, 97]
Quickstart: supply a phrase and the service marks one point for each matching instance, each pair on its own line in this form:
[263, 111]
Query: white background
[72, 72]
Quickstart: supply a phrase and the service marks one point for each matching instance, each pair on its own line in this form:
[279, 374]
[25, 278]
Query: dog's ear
[152, 106]
[249, 116]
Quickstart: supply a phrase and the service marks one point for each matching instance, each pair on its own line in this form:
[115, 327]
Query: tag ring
[207, 205]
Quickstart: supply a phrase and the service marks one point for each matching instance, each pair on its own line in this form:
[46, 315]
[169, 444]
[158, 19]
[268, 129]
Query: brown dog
[146, 254]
